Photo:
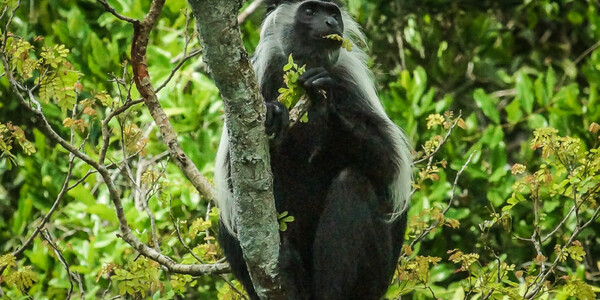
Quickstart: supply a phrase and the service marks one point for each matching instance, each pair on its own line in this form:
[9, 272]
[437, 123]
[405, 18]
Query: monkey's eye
[310, 12]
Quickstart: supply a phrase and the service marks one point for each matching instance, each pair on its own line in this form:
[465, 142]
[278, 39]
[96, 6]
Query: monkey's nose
[332, 22]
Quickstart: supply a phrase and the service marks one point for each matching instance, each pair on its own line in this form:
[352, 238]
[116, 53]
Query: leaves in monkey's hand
[291, 94]
[346, 44]
[283, 219]
[304, 118]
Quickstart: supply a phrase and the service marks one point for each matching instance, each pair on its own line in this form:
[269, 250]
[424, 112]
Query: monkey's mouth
[333, 39]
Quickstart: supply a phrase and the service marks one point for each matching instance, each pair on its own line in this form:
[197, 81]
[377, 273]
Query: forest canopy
[100, 197]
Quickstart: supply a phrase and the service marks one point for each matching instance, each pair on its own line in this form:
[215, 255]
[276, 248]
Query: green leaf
[413, 37]
[536, 121]
[525, 91]
[304, 118]
[513, 112]
[290, 64]
[550, 82]
[487, 105]
[103, 211]
[540, 91]
[419, 84]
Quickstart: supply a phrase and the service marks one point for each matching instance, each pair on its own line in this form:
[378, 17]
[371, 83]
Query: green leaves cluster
[51, 71]
[346, 43]
[9, 134]
[140, 277]
[291, 94]
[283, 219]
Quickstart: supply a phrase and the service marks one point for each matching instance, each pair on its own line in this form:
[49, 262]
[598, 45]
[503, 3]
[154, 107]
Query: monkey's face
[318, 19]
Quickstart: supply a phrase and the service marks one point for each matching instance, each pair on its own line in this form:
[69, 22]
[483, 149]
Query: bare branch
[46, 218]
[538, 284]
[111, 10]
[144, 86]
[61, 258]
[243, 16]
[6, 31]
[177, 67]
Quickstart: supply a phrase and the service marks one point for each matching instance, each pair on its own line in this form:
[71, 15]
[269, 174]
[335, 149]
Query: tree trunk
[257, 228]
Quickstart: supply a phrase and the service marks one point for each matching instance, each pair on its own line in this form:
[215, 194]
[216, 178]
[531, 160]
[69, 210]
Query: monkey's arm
[354, 125]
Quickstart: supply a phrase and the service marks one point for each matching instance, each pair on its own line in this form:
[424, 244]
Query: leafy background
[506, 67]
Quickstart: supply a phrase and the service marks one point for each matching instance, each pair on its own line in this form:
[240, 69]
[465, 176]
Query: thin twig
[8, 23]
[181, 241]
[233, 287]
[444, 140]
[105, 128]
[181, 62]
[146, 198]
[3, 12]
[579, 59]
[400, 42]
[46, 236]
[427, 230]
[111, 10]
[537, 284]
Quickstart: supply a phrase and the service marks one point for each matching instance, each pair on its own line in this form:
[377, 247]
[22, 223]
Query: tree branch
[243, 16]
[141, 33]
[111, 10]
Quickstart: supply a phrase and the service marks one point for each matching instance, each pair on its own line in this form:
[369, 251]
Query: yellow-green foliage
[9, 134]
[283, 219]
[232, 291]
[138, 278]
[23, 279]
[291, 94]
[346, 44]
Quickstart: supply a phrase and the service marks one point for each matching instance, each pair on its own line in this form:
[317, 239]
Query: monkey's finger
[311, 81]
[323, 82]
[310, 73]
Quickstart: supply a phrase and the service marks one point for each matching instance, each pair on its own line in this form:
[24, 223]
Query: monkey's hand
[315, 81]
[277, 120]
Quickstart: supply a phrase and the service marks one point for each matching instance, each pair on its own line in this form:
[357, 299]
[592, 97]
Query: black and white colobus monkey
[344, 175]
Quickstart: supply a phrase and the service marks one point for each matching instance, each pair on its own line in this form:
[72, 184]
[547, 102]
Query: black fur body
[344, 175]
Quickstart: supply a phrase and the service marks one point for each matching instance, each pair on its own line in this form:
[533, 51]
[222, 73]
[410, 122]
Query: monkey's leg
[354, 255]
